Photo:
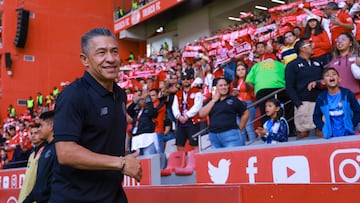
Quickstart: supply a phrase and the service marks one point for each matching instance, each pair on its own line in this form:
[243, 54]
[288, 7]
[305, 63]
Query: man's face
[45, 129]
[102, 60]
[153, 96]
[307, 48]
[260, 49]
[186, 81]
[34, 136]
[12, 132]
[289, 38]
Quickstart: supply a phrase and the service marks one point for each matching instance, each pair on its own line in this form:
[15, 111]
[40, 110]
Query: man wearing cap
[339, 21]
[186, 105]
[302, 77]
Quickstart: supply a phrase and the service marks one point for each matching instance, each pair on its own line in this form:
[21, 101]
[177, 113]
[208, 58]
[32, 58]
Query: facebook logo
[251, 170]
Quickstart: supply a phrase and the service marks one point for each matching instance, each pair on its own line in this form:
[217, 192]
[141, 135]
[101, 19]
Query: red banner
[143, 13]
[326, 162]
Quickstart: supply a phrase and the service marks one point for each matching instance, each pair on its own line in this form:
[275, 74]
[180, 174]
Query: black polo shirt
[93, 117]
[224, 113]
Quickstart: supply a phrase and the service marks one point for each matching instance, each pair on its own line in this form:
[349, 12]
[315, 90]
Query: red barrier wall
[240, 193]
[251, 193]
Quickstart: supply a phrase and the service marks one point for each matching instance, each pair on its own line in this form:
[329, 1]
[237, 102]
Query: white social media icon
[6, 182]
[291, 169]
[251, 170]
[349, 158]
[220, 174]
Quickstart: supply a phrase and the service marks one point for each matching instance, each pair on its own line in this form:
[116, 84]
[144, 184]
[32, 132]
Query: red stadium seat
[175, 160]
[190, 166]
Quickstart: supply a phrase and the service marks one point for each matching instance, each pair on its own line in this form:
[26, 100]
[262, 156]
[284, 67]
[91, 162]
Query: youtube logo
[291, 169]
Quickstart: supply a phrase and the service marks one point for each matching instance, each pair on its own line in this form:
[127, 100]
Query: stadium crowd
[214, 82]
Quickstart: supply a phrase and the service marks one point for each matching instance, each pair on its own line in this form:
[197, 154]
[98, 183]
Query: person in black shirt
[41, 190]
[302, 77]
[90, 129]
[223, 109]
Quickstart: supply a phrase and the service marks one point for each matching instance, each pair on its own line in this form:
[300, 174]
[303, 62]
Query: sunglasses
[342, 39]
[306, 45]
[185, 78]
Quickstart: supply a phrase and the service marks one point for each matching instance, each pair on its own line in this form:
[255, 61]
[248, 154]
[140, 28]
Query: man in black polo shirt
[223, 111]
[90, 129]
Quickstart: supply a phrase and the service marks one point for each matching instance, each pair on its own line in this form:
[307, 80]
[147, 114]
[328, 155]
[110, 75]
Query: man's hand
[132, 166]
[311, 85]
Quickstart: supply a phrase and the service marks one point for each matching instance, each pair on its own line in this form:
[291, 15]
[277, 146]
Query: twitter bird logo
[220, 174]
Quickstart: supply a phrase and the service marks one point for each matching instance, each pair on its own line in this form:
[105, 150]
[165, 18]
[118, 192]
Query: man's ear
[84, 59]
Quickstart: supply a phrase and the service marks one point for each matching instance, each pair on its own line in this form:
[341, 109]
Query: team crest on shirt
[316, 63]
[229, 101]
[104, 111]
[192, 95]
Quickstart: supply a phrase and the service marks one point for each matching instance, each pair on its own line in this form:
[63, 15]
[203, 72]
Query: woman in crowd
[346, 55]
[320, 39]
[223, 111]
[246, 94]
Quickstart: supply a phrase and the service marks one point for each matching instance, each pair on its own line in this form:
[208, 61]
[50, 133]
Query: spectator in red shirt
[160, 107]
[319, 38]
[339, 21]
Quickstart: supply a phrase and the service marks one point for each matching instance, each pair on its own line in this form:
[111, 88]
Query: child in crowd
[3, 158]
[275, 129]
[336, 110]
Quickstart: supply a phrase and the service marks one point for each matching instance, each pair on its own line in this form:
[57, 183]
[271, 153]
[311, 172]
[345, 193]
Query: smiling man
[89, 128]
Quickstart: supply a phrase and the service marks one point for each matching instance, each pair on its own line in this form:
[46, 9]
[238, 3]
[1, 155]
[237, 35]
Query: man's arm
[198, 102]
[88, 160]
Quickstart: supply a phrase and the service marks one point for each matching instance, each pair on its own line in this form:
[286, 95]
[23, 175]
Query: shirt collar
[96, 85]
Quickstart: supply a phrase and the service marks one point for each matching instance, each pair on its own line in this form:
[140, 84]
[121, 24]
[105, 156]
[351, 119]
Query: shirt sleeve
[175, 107]
[290, 84]
[68, 118]
[282, 134]
[198, 102]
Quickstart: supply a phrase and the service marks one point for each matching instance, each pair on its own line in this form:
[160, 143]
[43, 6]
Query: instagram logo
[345, 165]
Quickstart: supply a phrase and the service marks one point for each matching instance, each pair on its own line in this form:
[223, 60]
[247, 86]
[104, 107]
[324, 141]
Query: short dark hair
[299, 44]
[216, 80]
[47, 116]
[332, 6]
[35, 125]
[258, 43]
[329, 69]
[91, 34]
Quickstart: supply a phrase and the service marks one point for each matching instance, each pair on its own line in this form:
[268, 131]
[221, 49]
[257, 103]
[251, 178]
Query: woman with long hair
[346, 55]
[246, 94]
[320, 39]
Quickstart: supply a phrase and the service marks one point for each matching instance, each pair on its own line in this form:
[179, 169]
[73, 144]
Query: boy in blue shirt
[336, 110]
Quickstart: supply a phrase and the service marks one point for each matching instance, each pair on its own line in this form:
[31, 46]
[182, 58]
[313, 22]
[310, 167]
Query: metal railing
[273, 94]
